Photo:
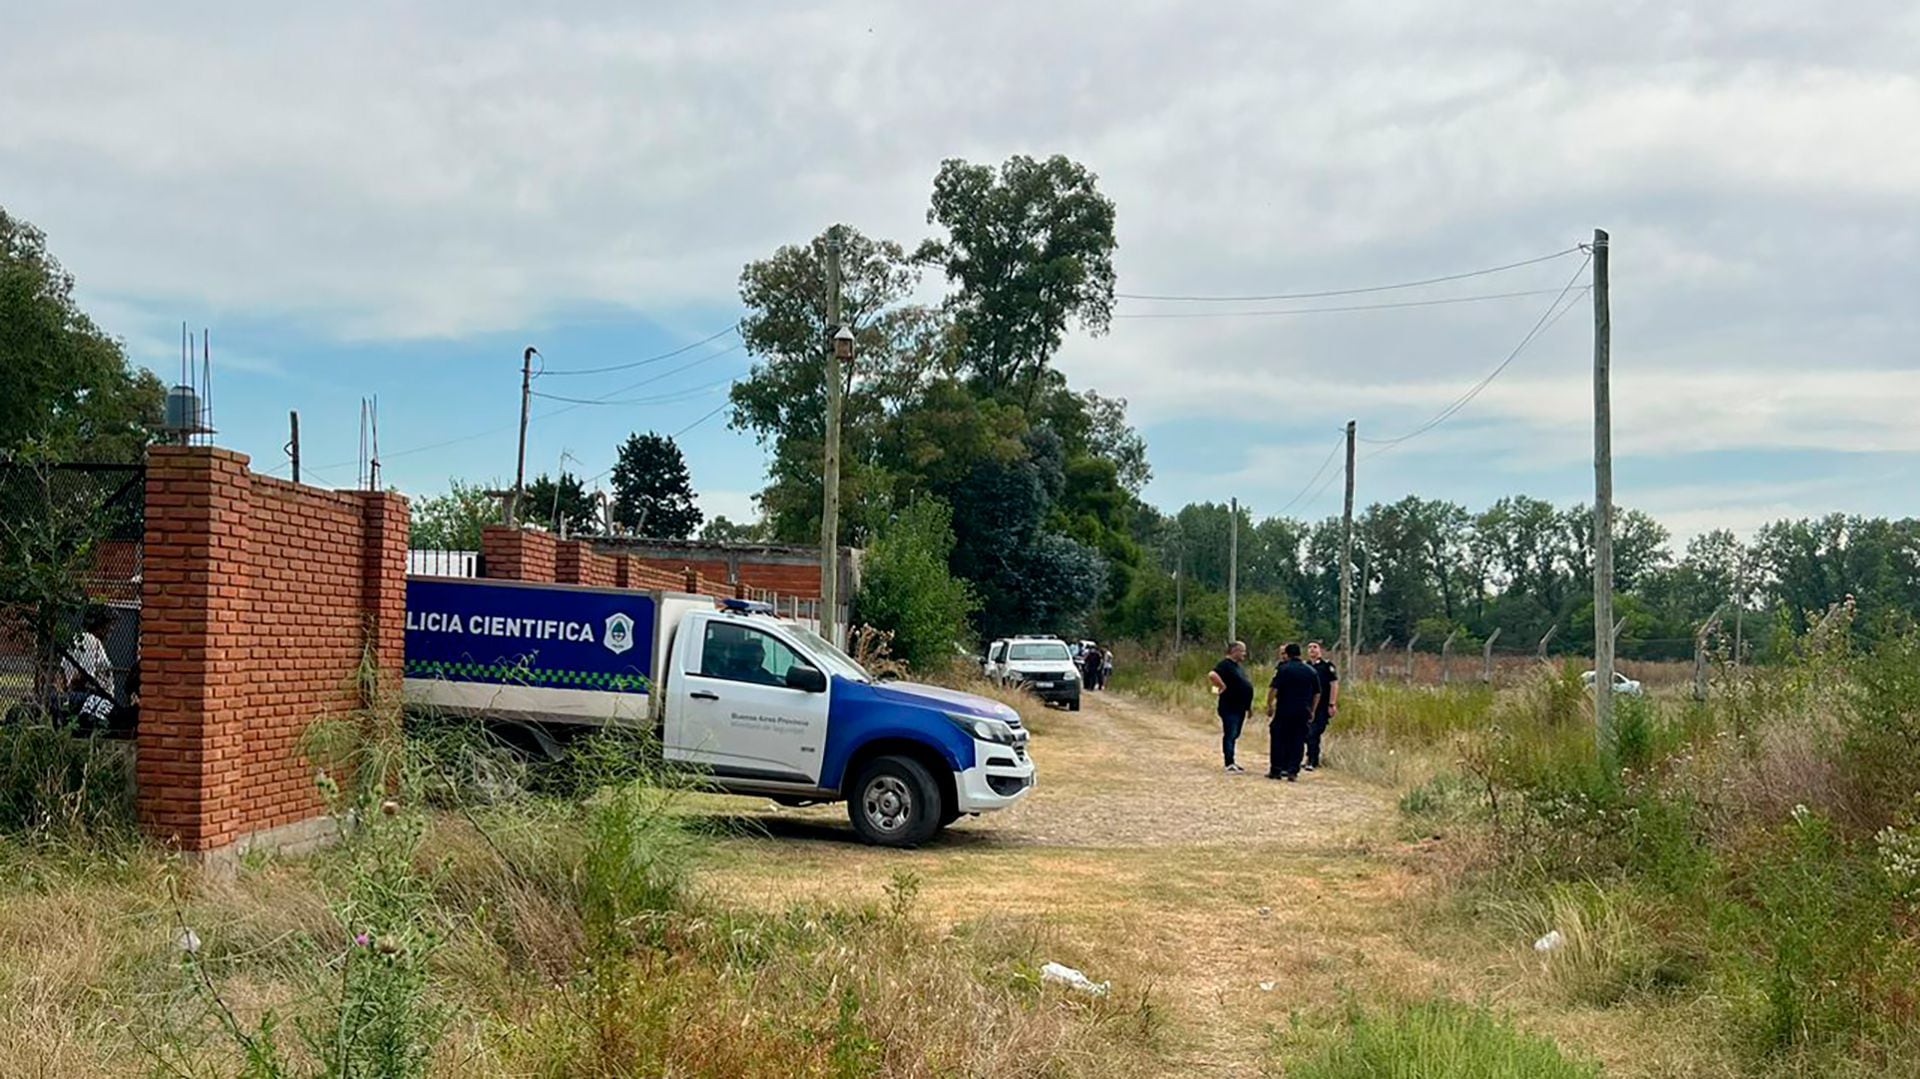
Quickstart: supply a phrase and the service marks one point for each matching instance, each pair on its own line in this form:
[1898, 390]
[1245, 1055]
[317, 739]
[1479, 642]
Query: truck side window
[739, 653]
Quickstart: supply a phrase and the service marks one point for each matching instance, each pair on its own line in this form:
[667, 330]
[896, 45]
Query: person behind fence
[1329, 703]
[1292, 697]
[86, 672]
[1235, 692]
[1090, 666]
[1106, 667]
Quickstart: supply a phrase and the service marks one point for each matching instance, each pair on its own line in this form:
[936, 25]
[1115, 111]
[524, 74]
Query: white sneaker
[1234, 769]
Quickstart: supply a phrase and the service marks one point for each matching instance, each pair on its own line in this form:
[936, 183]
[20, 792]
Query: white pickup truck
[750, 703]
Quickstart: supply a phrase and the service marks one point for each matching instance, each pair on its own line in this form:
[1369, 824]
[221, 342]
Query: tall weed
[57, 783]
[1438, 1040]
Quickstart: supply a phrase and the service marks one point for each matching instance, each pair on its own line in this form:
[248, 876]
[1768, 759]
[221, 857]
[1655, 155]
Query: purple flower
[362, 940]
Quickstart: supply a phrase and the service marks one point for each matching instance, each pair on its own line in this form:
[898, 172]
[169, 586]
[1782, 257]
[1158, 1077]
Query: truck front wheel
[895, 803]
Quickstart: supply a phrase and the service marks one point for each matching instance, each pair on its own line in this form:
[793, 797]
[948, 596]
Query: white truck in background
[1042, 666]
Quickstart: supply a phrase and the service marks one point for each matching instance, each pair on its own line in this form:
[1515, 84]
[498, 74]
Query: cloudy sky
[366, 201]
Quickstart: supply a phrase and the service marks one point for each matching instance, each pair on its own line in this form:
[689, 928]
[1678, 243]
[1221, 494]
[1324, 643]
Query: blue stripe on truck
[860, 715]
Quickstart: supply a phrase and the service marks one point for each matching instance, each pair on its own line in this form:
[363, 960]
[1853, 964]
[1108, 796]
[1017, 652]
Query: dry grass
[91, 982]
[1235, 917]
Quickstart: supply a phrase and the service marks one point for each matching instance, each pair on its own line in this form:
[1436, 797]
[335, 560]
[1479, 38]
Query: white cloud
[450, 168]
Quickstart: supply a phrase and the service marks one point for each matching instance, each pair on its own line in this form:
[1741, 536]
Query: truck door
[733, 712]
[997, 661]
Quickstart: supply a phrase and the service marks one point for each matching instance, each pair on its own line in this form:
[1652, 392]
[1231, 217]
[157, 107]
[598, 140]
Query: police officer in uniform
[1329, 701]
[1292, 699]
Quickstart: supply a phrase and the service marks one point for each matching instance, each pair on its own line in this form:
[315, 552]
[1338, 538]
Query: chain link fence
[71, 560]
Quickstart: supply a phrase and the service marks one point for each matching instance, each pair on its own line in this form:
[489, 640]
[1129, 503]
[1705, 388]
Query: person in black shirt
[1329, 701]
[1292, 697]
[1235, 692]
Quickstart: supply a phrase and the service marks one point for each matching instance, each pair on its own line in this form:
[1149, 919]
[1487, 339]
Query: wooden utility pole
[1346, 563]
[1179, 594]
[520, 463]
[1233, 570]
[830, 457]
[1360, 617]
[293, 442]
[1602, 497]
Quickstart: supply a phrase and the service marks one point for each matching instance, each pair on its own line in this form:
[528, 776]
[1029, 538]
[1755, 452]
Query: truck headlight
[1071, 676]
[986, 730]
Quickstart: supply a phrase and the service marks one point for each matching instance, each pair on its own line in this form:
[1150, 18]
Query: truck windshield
[1049, 651]
[834, 660]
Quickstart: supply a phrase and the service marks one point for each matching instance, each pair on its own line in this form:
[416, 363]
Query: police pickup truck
[749, 703]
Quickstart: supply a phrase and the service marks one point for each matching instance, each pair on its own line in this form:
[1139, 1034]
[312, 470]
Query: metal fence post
[1411, 641]
[1551, 630]
[1446, 658]
[1486, 658]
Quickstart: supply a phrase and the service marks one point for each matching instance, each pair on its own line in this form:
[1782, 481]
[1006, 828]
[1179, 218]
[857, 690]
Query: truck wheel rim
[888, 803]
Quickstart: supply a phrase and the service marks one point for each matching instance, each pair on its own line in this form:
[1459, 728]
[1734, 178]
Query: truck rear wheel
[895, 803]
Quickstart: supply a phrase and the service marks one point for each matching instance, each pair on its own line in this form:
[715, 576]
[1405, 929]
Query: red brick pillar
[599, 570]
[387, 522]
[194, 646]
[693, 579]
[570, 562]
[516, 554]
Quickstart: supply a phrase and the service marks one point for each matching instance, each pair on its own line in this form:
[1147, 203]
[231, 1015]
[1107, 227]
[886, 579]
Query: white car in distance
[1621, 683]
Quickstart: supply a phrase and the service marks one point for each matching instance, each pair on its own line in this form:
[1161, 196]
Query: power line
[716, 411]
[701, 420]
[735, 328]
[1323, 293]
[609, 397]
[1481, 298]
[576, 404]
[1316, 475]
[656, 399]
[1551, 315]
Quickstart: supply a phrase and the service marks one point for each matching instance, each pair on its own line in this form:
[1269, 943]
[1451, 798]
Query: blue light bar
[744, 606]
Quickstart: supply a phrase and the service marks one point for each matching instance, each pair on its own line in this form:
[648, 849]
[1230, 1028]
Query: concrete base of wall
[301, 837]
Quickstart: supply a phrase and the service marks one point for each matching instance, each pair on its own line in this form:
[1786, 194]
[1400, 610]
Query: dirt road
[1137, 859]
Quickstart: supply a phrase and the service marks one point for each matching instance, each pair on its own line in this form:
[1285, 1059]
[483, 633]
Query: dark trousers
[1314, 730]
[1287, 740]
[1230, 726]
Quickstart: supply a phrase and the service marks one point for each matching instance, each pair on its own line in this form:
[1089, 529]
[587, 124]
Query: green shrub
[1879, 762]
[1440, 797]
[907, 590]
[56, 783]
[1439, 1040]
[1813, 934]
[1634, 721]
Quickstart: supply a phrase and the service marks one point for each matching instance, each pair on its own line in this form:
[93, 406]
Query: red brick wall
[786, 579]
[518, 554]
[576, 562]
[514, 554]
[259, 599]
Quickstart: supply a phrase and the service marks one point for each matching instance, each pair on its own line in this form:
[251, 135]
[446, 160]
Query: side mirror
[807, 679]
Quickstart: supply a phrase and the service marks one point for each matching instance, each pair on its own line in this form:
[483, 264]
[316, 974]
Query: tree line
[1521, 566]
